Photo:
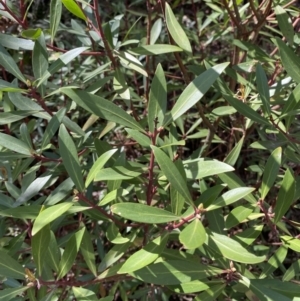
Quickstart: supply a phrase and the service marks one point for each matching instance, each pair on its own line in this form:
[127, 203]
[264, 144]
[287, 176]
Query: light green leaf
[157, 98]
[173, 272]
[177, 201]
[212, 293]
[114, 236]
[230, 197]
[68, 152]
[271, 171]
[9, 267]
[200, 168]
[130, 62]
[189, 287]
[290, 60]
[98, 165]
[248, 236]
[24, 212]
[12, 42]
[102, 108]
[224, 110]
[87, 251]
[55, 15]
[155, 49]
[285, 195]
[143, 213]
[70, 253]
[31, 33]
[193, 235]
[53, 253]
[74, 8]
[263, 89]
[83, 294]
[39, 245]
[231, 249]
[48, 215]
[285, 24]
[155, 31]
[112, 195]
[290, 242]
[116, 173]
[274, 262]
[10, 293]
[173, 175]
[14, 144]
[194, 92]
[237, 215]
[234, 154]
[140, 138]
[9, 64]
[145, 256]
[292, 271]
[13, 116]
[246, 110]
[176, 31]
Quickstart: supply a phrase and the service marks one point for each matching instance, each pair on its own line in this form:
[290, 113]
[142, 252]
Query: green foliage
[149, 150]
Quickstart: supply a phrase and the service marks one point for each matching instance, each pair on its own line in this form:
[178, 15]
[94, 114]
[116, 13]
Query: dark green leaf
[285, 24]
[88, 253]
[14, 144]
[9, 267]
[10, 293]
[263, 89]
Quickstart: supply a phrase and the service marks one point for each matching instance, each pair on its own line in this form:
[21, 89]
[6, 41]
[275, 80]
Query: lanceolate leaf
[9, 267]
[87, 251]
[68, 152]
[285, 24]
[271, 171]
[173, 272]
[230, 197]
[263, 89]
[176, 31]
[194, 92]
[143, 213]
[55, 15]
[39, 245]
[155, 49]
[48, 215]
[73, 7]
[193, 235]
[234, 154]
[10, 117]
[9, 64]
[172, 173]
[231, 249]
[10, 293]
[14, 144]
[285, 195]
[102, 108]
[145, 256]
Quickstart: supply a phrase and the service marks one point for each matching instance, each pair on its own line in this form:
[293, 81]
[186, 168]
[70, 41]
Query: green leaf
[271, 172]
[194, 92]
[248, 236]
[39, 245]
[155, 31]
[130, 62]
[9, 267]
[9, 64]
[274, 262]
[237, 215]
[52, 127]
[12, 42]
[14, 144]
[114, 236]
[176, 31]
[172, 173]
[145, 256]
[24, 212]
[102, 108]
[48, 215]
[290, 60]
[245, 110]
[55, 15]
[285, 24]
[70, 253]
[143, 213]
[83, 294]
[230, 197]
[291, 105]
[74, 8]
[68, 152]
[33, 189]
[155, 49]
[263, 89]
[189, 287]
[193, 235]
[140, 138]
[200, 168]
[101, 161]
[177, 201]
[116, 173]
[10, 117]
[112, 195]
[234, 154]
[231, 249]
[10, 293]
[290, 242]
[173, 272]
[212, 293]
[292, 271]
[53, 253]
[285, 195]
[157, 98]
[87, 251]
[31, 33]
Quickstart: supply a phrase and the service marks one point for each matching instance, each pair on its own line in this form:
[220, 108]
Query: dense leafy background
[149, 150]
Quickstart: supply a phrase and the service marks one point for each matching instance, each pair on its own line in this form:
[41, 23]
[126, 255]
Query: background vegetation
[149, 150]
